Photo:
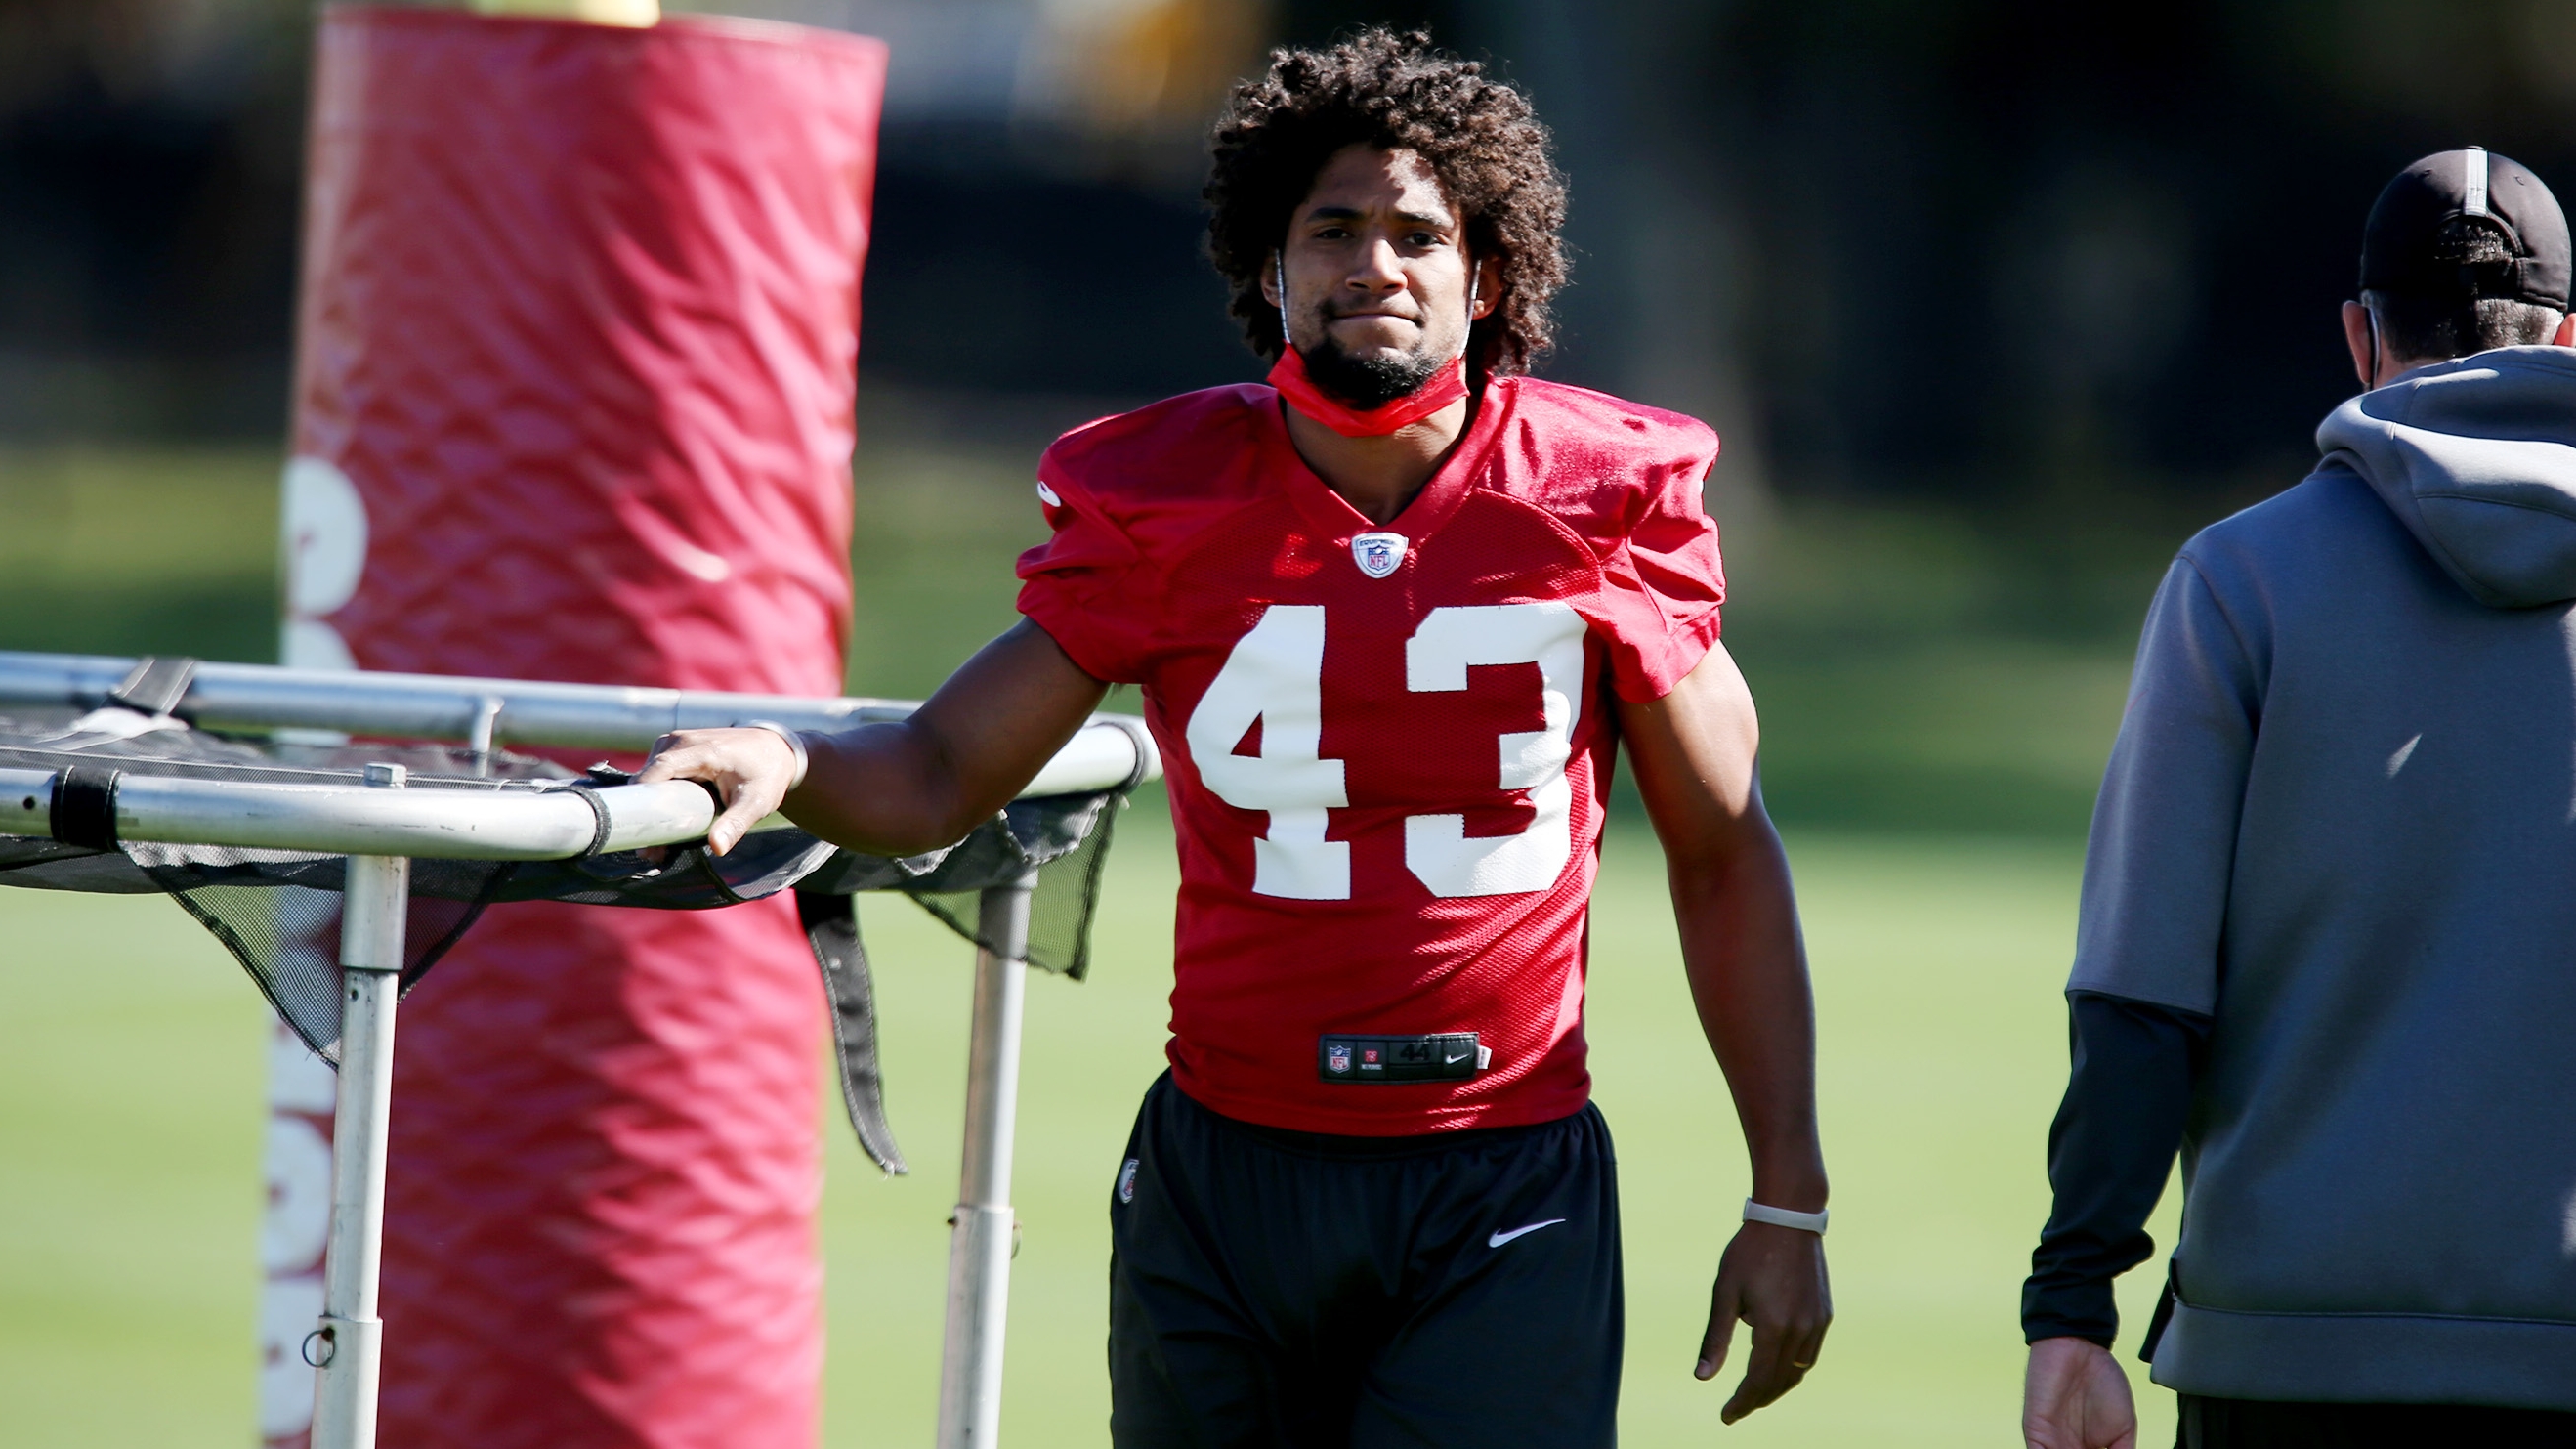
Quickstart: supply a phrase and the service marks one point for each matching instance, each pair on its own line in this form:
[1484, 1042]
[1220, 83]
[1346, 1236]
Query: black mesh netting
[278, 912]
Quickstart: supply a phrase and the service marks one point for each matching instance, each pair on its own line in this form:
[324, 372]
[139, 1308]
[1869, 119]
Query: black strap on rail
[588, 794]
[84, 807]
[831, 925]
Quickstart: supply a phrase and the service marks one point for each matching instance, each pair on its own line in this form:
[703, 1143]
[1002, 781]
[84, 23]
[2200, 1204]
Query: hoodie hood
[2477, 457]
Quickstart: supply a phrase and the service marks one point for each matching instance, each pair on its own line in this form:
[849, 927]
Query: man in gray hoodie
[2328, 939]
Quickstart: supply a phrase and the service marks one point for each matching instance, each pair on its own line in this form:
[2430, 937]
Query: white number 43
[1275, 675]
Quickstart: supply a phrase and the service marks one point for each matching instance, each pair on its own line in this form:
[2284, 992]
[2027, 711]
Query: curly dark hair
[1394, 92]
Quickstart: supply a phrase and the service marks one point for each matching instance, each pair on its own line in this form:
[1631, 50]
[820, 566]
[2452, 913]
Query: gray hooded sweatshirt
[2340, 820]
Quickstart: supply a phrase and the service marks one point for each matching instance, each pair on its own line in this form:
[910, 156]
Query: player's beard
[1369, 382]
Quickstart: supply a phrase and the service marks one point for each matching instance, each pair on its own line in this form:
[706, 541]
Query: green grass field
[1932, 765]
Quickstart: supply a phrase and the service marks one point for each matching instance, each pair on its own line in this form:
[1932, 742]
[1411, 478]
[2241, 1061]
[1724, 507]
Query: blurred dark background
[1941, 248]
[1993, 300]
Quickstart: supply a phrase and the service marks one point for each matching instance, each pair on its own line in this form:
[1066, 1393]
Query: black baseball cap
[2400, 247]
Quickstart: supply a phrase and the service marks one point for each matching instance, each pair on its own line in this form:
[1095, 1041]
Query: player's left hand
[1774, 1279]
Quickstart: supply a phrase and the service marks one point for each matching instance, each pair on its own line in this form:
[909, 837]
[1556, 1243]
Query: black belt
[1441, 1056]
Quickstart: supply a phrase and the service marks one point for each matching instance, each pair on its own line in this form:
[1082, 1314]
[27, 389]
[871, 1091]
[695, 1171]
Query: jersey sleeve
[1663, 585]
[1083, 584]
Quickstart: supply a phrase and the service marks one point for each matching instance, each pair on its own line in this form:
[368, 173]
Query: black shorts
[1291, 1291]
[2252, 1424]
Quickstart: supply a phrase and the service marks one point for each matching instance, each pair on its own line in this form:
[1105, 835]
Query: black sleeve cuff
[2109, 1154]
[2082, 1309]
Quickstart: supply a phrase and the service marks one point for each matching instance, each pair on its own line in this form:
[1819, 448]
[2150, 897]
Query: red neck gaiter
[1445, 387]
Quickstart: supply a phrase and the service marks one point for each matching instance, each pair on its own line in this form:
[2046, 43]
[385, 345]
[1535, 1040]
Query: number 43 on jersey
[1275, 675]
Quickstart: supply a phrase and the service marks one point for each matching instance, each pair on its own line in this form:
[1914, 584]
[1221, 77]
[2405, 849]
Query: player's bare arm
[905, 786]
[1694, 751]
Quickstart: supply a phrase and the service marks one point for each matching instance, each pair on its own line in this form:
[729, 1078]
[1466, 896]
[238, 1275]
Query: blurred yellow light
[1132, 67]
[597, 12]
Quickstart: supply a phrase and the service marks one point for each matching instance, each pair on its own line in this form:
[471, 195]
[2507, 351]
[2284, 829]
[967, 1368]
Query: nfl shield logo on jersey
[1337, 1058]
[1378, 554]
[1127, 1181]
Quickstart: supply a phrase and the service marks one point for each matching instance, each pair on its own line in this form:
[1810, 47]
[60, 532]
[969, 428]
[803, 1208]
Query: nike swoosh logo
[1462, 1056]
[1498, 1239]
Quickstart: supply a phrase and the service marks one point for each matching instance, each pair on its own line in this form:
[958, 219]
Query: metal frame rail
[383, 827]
[484, 713]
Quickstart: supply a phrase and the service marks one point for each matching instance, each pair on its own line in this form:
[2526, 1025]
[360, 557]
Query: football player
[1391, 616]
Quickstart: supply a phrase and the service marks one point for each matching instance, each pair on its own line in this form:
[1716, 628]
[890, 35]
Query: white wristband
[795, 742]
[1813, 1222]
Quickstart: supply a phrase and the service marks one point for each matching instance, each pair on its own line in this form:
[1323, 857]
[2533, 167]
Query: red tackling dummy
[574, 394]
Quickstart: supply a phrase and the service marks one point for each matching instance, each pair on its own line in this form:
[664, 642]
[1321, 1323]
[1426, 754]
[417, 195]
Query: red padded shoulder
[1601, 464]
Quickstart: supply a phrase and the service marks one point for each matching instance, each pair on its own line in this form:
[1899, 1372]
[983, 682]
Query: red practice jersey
[1388, 748]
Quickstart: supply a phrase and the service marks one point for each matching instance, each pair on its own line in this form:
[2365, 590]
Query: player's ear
[1270, 278]
[2363, 342]
[1488, 289]
[2566, 332]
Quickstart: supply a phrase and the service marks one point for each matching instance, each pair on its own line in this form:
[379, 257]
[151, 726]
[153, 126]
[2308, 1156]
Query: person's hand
[752, 770]
[1774, 1279]
[2076, 1397]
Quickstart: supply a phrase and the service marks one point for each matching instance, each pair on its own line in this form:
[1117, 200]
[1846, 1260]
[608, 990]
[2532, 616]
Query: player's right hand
[2076, 1397]
[751, 769]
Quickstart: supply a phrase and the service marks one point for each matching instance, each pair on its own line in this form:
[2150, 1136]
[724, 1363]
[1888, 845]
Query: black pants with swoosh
[1283, 1290]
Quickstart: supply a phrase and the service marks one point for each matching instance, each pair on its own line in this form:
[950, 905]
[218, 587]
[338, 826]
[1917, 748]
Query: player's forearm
[1695, 752]
[913, 785]
[1748, 978]
[884, 789]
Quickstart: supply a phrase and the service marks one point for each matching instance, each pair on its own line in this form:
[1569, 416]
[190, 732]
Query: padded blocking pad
[578, 331]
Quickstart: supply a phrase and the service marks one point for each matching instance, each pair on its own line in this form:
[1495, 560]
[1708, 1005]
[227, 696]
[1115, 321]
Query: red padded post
[573, 401]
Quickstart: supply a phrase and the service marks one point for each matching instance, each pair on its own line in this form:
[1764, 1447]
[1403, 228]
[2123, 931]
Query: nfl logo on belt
[1378, 554]
[1337, 1059]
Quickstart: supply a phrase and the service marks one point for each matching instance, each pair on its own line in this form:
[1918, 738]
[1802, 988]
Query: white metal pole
[348, 1346]
[979, 1250]
[294, 1232]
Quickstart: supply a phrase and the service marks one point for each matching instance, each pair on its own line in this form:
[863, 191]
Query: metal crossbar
[1110, 751]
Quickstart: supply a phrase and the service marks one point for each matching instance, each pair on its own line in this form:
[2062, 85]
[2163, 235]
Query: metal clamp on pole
[347, 1349]
[979, 1251]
